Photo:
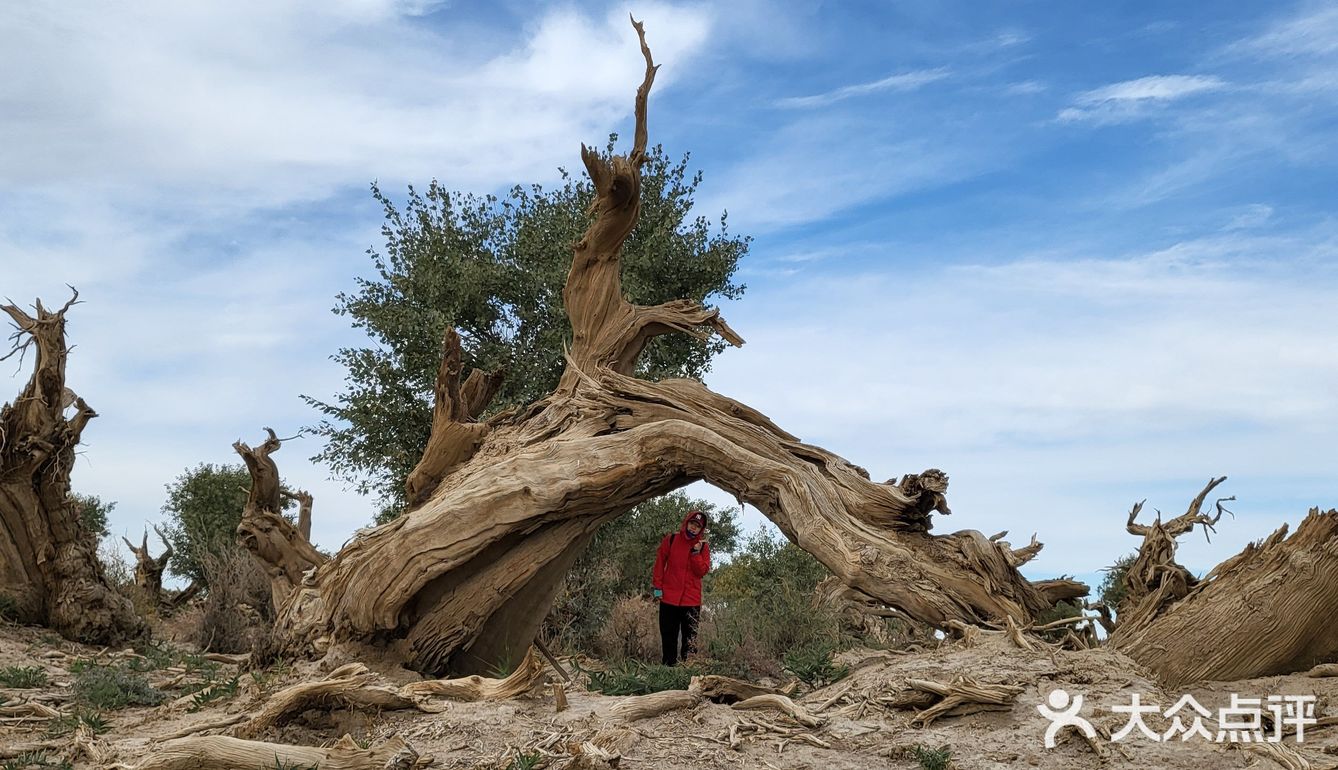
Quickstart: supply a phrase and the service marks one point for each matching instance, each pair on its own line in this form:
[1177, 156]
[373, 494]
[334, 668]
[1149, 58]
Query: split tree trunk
[1267, 610]
[283, 549]
[462, 581]
[149, 570]
[48, 562]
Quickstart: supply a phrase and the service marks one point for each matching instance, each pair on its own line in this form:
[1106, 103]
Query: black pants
[673, 621]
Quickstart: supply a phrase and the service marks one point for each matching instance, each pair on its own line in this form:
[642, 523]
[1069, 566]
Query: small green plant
[636, 678]
[213, 692]
[156, 656]
[527, 761]
[23, 677]
[82, 664]
[114, 687]
[932, 759]
[26, 759]
[812, 664]
[68, 723]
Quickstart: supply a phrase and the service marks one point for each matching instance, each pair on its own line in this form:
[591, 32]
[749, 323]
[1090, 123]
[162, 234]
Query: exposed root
[1323, 669]
[724, 689]
[347, 687]
[469, 688]
[963, 696]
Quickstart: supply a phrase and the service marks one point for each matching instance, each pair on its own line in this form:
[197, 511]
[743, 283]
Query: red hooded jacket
[678, 572]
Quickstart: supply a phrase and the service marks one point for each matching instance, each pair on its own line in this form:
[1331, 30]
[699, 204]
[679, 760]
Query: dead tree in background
[1267, 610]
[149, 570]
[503, 506]
[48, 562]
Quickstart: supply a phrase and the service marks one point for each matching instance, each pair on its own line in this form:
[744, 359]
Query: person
[683, 559]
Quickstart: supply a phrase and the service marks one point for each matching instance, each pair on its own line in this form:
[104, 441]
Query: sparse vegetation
[68, 723]
[932, 759]
[9, 608]
[23, 677]
[114, 687]
[1112, 588]
[632, 677]
[812, 664]
[525, 761]
[213, 692]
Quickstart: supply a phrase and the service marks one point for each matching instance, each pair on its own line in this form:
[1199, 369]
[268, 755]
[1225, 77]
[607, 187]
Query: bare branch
[1136, 529]
[638, 156]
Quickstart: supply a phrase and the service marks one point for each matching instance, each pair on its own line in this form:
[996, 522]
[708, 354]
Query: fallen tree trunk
[219, 752]
[48, 564]
[504, 506]
[1267, 610]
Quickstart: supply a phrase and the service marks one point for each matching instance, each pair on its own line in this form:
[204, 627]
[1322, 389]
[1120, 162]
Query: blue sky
[1073, 254]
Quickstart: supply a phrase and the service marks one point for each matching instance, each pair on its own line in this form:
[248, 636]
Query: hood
[706, 522]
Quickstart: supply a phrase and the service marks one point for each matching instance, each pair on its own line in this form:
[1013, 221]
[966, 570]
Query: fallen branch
[963, 696]
[219, 752]
[1323, 669]
[640, 707]
[471, 688]
[782, 704]
[724, 689]
[347, 687]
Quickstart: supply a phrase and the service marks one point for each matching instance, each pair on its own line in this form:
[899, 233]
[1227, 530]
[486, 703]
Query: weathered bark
[149, 570]
[304, 501]
[1267, 610]
[284, 552]
[48, 563]
[219, 752]
[462, 581]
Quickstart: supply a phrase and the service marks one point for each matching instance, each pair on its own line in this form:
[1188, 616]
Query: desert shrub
[932, 759]
[1112, 589]
[812, 663]
[761, 606]
[68, 723]
[23, 677]
[632, 677]
[114, 687]
[237, 607]
[631, 632]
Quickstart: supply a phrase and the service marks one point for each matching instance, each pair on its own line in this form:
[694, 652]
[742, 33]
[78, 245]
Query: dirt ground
[858, 729]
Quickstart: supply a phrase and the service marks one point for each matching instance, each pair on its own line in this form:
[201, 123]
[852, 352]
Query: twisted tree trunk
[504, 506]
[1267, 610]
[283, 549]
[48, 563]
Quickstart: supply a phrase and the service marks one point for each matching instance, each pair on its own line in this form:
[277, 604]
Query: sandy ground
[857, 732]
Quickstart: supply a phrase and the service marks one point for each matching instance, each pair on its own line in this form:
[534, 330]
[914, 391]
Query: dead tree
[48, 564]
[284, 551]
[149, 570]
[507, 503]
[1267, 610]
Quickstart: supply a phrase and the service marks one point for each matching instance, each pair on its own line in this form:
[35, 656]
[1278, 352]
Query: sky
[1076, 255]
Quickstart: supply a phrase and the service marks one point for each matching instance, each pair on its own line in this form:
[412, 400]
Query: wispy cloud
[905, 81]
[1310, 33]
[1130, 98]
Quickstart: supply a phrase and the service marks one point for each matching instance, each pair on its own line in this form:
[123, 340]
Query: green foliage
[204, 506]
[1061, 610]
[761, 605]
[619, 560]
[33, 759]
[1112, 587]
[93, 513]
[114, 687]
[494, 269]
[23, 677]
[632, 677]
[932, 759]
[68, 723]
[9, 608]
[213, 692]
[812, 663]
[157, 656]
[279, 764]
[526, 761]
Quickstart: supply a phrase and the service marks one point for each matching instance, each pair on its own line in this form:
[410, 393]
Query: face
[694, 527]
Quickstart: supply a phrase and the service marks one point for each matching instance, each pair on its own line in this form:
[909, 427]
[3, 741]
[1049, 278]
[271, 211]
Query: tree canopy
[93, 513]
[494, 268]
[204, 505]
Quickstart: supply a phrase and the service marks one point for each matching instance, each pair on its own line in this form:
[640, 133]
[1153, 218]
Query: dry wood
[208, 724]
[1282, 754]
[782, 704]
[218, 752]
[1268, 610]
[48, 562]
[1323, 669]
[347, 687]
[724, 689]
[963, 696]
[469, 688]
[149, 569]
[645, 706]
[559, 697]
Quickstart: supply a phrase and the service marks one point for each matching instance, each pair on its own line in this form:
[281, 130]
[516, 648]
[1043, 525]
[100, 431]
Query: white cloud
[905, 81]
[1130, 98]
[1309, 33]
[1057, 391]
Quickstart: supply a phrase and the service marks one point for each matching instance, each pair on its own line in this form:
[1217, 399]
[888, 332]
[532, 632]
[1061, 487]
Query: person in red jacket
[683, 559]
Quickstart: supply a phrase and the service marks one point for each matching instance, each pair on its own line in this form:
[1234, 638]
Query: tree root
[724, 689]
[471, 688]
[963, 696]
[346, 687]
[1323, 669]
[218, 752]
